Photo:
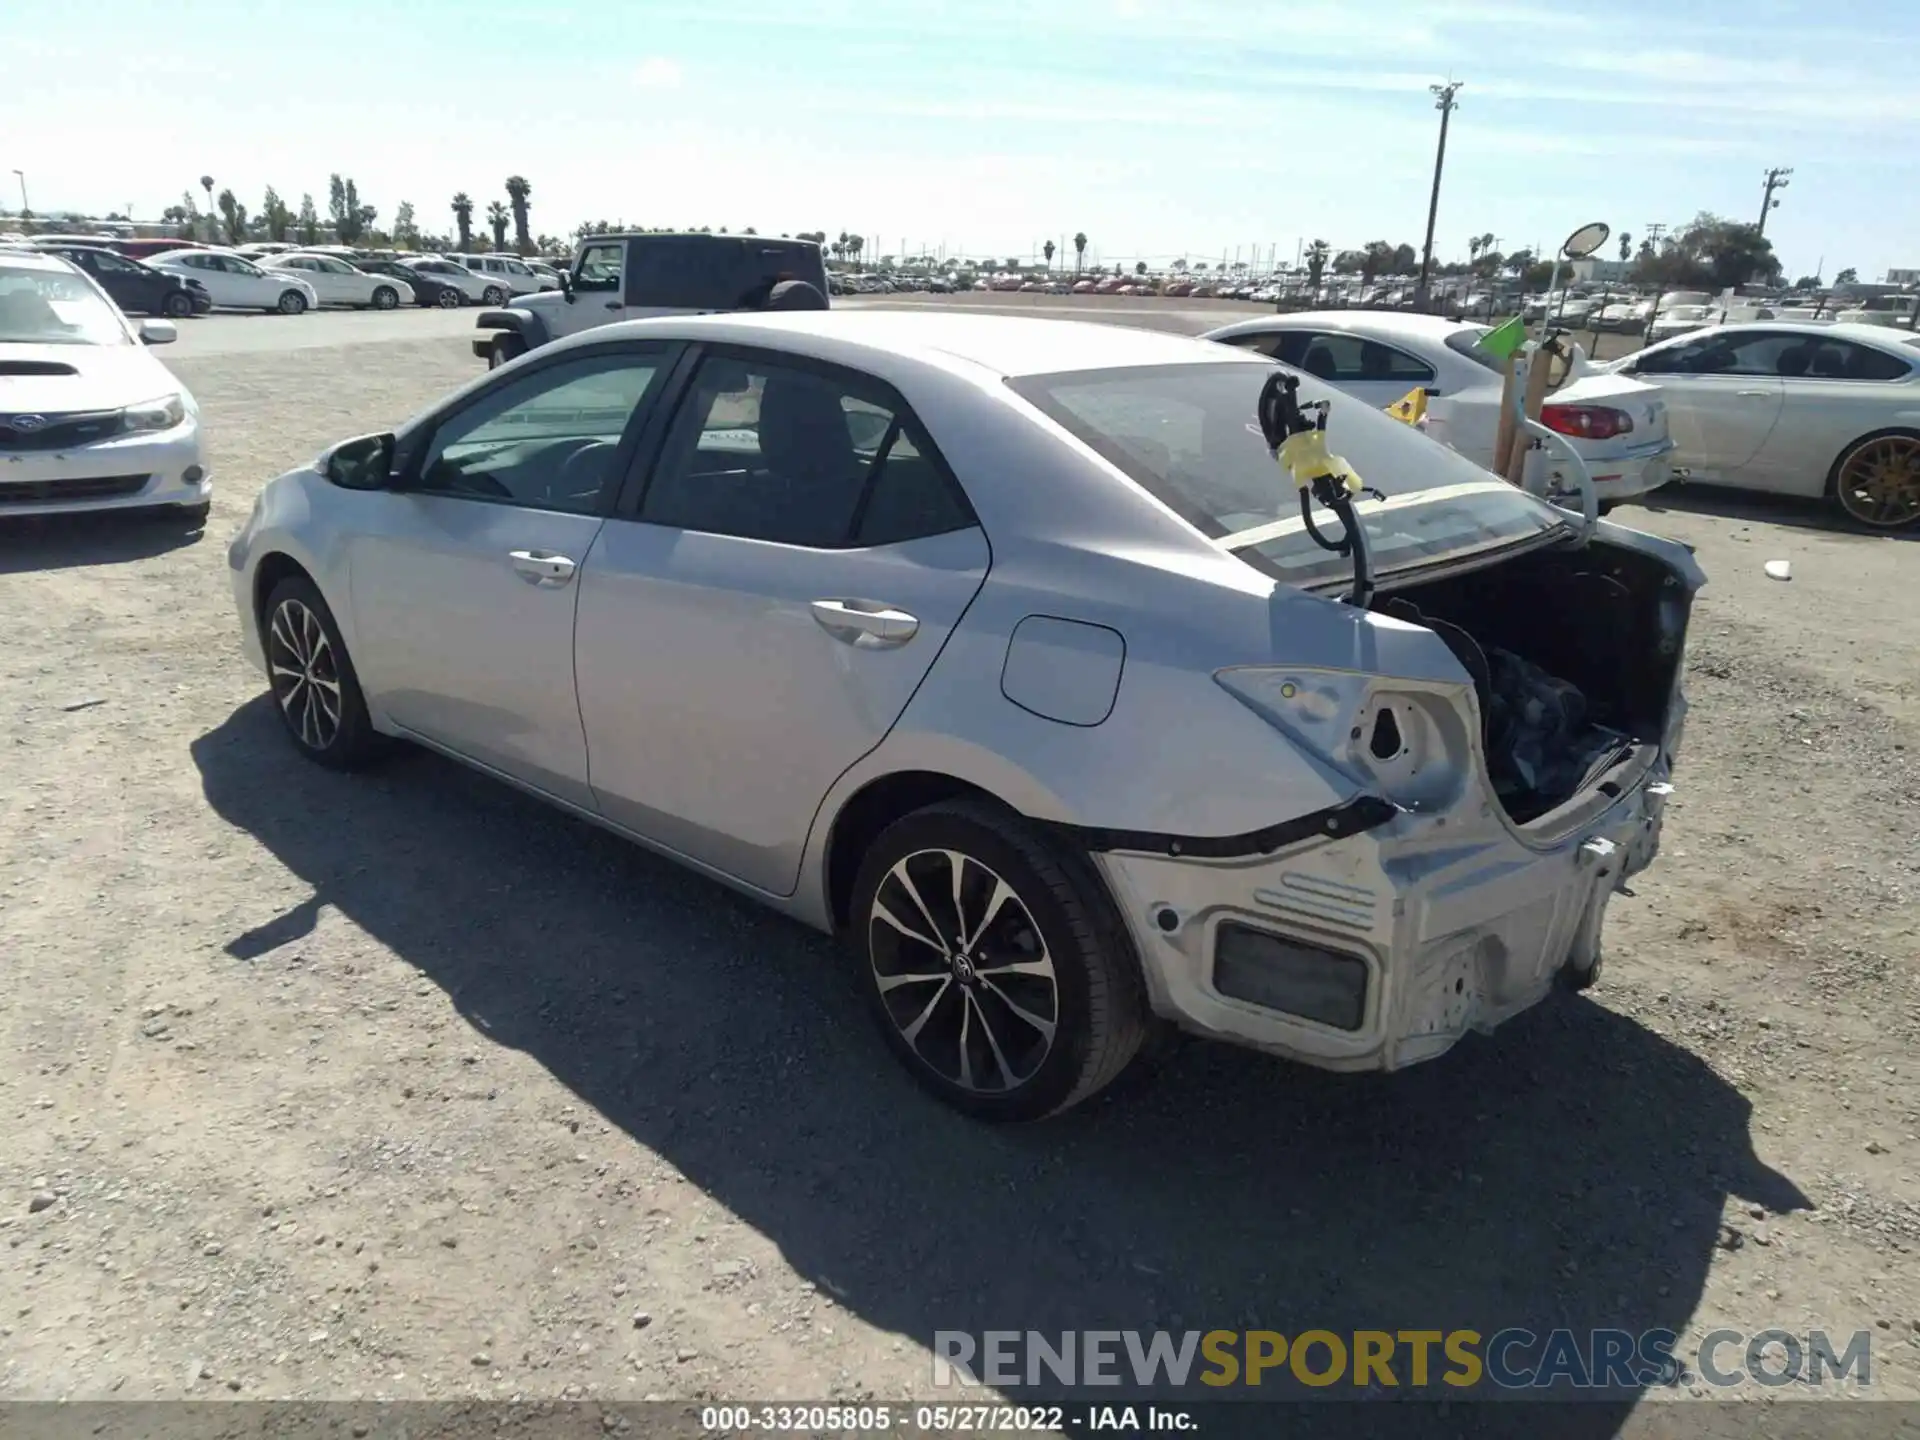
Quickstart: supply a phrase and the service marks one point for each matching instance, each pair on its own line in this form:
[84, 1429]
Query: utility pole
[26, 210]
[1444, 102]
[1776, 180]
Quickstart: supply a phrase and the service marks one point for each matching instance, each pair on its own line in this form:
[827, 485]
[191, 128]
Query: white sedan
[236, 282]
[88, 419]
[1796, 409]
[1618, 425]
[338, 283]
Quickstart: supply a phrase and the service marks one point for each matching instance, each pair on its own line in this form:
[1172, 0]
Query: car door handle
[542, 567]
[1754, 394]
[616, 304]
[867, 625]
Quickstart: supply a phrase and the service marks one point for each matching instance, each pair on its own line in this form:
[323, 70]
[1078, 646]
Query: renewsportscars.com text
[1359, 1361]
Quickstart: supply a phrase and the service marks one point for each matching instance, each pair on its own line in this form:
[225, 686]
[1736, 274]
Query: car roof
[1405, 325]
[27, 259]
[1004, 344]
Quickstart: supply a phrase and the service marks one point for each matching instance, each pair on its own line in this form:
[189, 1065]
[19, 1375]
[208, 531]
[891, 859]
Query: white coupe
[236, 281]
[338, 283]
[88, 419]
[1617, 424]
[1796, 409]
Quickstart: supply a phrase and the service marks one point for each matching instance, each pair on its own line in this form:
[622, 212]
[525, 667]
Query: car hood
[544, 303]
[106, 377]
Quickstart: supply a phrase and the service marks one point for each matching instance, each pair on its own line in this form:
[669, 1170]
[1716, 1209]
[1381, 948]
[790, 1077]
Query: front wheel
[494, 295]
[995, 964]
[314, 685]
[505, 348]
[292, 302]
[1877, 480]
[177, 306]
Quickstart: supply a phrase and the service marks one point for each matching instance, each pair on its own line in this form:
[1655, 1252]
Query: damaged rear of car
[1498, 719]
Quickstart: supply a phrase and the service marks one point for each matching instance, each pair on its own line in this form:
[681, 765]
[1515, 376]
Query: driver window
[600, 267]
[545, 440]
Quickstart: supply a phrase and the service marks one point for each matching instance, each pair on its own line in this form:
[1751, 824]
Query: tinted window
[113, 265]
[1843, 360]
[1188, 435]
[765, 452]
[546, 439]
[1753, 352]
[1347, 359]
[704, 272]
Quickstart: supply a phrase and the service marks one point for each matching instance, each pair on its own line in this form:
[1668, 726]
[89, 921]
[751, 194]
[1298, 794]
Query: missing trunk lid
[1572, 654]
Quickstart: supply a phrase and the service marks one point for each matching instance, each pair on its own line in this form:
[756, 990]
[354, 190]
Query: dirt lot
[402, 1086]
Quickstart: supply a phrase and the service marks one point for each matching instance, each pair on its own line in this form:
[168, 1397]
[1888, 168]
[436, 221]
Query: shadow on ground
[1764, 509]
[60, 542]
[1570, 1171]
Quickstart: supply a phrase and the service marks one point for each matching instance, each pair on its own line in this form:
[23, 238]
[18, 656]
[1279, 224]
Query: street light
[1443, 101]
[26, 210]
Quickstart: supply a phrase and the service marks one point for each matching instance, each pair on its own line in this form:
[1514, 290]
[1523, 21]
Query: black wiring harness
[1296, 437]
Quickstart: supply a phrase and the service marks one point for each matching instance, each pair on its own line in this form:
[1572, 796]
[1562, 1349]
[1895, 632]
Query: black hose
[1282, 417]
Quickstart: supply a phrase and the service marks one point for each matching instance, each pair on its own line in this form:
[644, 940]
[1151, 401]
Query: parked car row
[1788, 407]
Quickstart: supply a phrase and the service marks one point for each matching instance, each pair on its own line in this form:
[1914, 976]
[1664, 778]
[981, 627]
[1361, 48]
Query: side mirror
[363, 463]
[158, 332]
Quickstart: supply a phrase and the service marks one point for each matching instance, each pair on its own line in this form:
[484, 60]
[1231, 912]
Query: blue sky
[1159, 127]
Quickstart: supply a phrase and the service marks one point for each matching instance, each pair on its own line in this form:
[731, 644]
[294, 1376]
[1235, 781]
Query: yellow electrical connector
[1305, 457]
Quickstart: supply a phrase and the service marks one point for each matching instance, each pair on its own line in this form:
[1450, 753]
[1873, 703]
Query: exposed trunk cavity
[1573, 654]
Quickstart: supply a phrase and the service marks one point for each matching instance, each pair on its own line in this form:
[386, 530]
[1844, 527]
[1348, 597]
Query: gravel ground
[401, 1085]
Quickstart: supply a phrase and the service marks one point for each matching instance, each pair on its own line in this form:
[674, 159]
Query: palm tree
[206, 184]
[1079, 250]
[855, 244]
[518, 192]
[1047, 250]
[1317, 254]
[1626, 246]
[497, 218]
[463, 217]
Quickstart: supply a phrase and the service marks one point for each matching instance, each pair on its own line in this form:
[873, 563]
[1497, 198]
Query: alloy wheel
[1879, 482]
[963, 971]
[448, 299]
[305, 674]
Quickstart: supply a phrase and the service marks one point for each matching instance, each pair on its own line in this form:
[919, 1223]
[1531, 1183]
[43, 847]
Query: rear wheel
[494, 295]
[291, 302]
[995, 964]
[314, 685]
[1877, 480]
[177, 306]
[448, 298]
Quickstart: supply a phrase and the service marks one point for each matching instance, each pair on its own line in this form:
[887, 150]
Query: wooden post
[1503, 436]
[1536, 397]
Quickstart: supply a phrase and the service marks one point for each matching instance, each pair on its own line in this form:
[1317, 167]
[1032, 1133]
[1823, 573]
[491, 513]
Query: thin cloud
[656, 72]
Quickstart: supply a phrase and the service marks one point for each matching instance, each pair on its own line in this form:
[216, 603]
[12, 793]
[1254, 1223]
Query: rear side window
[826, 460]
[1842, 360]
[1347, 359]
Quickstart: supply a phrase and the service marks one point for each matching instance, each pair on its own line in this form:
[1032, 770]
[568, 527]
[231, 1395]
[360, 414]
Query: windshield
[1466, 341]
[1188, 435]
[44, 306]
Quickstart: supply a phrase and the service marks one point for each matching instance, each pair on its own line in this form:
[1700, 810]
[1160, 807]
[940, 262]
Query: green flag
[1501, 341]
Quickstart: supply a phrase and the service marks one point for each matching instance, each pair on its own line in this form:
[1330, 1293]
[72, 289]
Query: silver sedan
[1003, 648]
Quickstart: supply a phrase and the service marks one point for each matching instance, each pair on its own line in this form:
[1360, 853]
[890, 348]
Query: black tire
[1098, 1003]
[350, 742]
[447, 298]
[505, 348]
[194, 517]
[291, 302]
[493, 295]
[385, 297]
[795, 295]
[177, 305]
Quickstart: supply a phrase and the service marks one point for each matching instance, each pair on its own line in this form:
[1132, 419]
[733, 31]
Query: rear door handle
[865, 624]
[616, 304]
[542, 567]
[1754, 394]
